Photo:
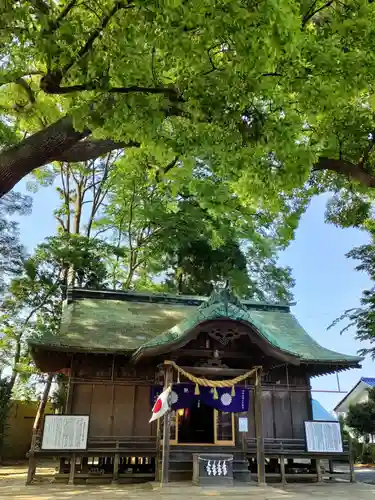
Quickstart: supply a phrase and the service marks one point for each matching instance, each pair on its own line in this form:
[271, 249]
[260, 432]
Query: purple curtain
[183, 397]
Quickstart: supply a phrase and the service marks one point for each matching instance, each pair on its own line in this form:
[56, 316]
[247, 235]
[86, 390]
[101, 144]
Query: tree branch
[366, 153]
[90, 149]
[311, 9]
[37, 150]
[97, 32]
[53, 26]
[311, 13]
[26, 87]
[343, 167]
[41, 5]
[57, 142]
[98, 194]
[167, 168]
[50, 84]
[213, 67]
[11, 78]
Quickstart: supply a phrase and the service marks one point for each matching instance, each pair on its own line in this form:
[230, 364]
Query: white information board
[65, 432]
[323, 437]
[243, 424]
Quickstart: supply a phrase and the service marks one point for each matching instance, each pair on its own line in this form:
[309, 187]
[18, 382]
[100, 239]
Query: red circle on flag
[157, 406]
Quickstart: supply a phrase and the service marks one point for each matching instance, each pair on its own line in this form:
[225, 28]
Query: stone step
[183, 470]
[236, 455]
[180, 464]
[205, 449]
[184, 458]
[180, 475]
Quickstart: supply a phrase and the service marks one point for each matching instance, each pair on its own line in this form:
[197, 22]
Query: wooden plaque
[323, 437]
[65, 432]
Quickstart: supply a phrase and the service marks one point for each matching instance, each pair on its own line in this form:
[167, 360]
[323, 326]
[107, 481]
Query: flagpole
[166, 430]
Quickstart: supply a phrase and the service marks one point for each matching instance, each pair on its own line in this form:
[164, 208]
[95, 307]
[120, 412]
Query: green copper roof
[111, 325]
[277, 326]
[140, 323]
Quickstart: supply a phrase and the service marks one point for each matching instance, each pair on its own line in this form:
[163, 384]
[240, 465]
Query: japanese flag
[162, 404]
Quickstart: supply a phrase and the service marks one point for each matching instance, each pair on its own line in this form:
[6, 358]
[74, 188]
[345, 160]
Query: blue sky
[326, 286]
[326, 282]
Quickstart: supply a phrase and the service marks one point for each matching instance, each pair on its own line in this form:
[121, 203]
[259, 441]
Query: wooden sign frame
[55, 416]
[320, 422]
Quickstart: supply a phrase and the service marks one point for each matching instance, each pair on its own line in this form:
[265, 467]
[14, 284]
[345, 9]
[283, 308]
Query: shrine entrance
[202, 424]
[196, 424]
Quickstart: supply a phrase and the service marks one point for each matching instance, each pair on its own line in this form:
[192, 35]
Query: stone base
[216, 475]
[217, 482]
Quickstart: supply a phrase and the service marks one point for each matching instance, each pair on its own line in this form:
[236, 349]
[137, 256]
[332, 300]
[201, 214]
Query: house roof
[363, 384]
[369, 381]
[144, 324]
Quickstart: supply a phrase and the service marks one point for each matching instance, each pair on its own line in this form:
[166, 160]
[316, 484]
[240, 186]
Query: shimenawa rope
[213, 383]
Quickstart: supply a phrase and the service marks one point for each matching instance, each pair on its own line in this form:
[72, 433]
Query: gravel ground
[12, 485]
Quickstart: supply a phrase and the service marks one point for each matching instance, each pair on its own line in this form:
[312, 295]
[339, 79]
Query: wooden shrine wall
[284, 412]
[115, 410]
[286, 403]
[114, 394]
[124, 410]
[117, 398]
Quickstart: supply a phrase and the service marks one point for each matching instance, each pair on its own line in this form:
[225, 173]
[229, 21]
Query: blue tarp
[320, 413]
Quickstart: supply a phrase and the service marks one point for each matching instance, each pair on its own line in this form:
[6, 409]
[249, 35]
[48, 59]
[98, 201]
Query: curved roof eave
[270, 335]
[189, 335]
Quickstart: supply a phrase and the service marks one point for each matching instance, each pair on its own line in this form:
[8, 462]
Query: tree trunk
[35, 151]
[78, 210]
[357, 172]
[16, 360]
[36, 428]
[42, 404]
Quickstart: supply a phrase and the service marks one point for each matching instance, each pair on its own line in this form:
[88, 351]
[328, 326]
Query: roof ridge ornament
[223, 295]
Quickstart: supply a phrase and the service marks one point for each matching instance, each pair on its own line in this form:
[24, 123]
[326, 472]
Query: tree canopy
[12, 252]
[184, 139]
[263, 93]
[362, 318]
[122, 225]
[361, 417]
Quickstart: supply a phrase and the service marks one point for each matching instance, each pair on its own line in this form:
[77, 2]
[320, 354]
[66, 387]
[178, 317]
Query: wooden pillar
[72, 471]
[282, 469]
[116, 461]
[36, 429]
[32, 461]
[258, 404]
[351, 461]
[69, 392]
[243, 438]
[166, 431]
[319, 470]
[158, 456]
[331, 469]
[85, 465]
[290, 400]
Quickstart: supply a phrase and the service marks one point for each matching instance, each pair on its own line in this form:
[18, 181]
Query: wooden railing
[122, 444]
[126, 445]
[285, 446]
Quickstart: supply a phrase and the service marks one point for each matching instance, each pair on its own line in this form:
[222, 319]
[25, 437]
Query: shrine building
[240, 372]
